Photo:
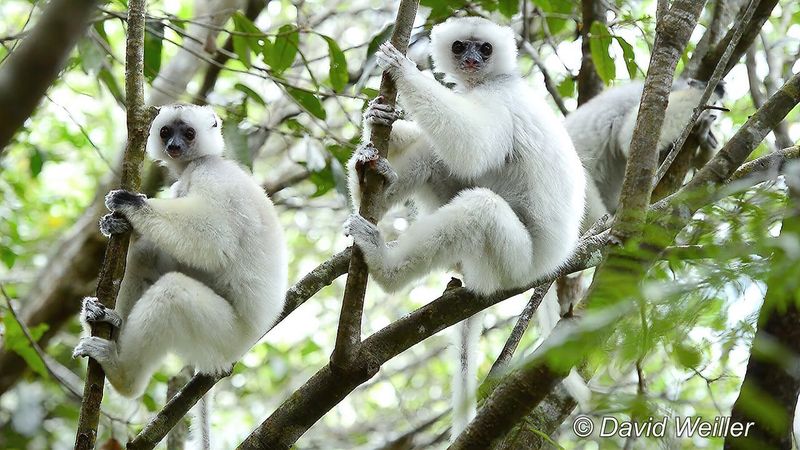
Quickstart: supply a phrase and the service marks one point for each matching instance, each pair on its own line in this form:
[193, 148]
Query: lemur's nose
[173, 147]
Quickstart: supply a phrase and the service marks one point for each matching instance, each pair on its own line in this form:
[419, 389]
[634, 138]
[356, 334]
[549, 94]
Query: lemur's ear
[216, 122]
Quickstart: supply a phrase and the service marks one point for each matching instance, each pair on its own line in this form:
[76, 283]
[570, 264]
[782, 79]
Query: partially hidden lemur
[493, 166]
[206, 273]
[602, 129]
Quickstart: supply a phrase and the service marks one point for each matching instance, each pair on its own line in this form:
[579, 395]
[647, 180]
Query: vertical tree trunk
[114, 262]
[589, 82]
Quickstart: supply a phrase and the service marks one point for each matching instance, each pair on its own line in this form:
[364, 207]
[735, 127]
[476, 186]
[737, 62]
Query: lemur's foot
[112, 224]
[367, 155]
[364, 233]
[94, 312]
[99, 349]
[378, 112]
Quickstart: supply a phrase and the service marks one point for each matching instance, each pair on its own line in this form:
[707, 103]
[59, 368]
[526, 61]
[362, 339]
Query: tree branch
[722, 16]
[711, 59]
[501, 363]
[694, 153]
[114, 261]
[328, 387]
[348, 336]
[252, 10]
[765, 167]
[774, 68]
[737, 31]
[672, 35]
[35, 65]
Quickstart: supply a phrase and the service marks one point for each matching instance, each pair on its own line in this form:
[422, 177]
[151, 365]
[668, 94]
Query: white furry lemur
[493, 166]
[206, 273]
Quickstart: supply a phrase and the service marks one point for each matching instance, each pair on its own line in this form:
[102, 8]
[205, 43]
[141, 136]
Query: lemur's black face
[178, 138]
[471, 55]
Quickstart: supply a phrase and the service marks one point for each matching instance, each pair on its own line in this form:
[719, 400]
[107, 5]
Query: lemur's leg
[177, 314]
[477, 230]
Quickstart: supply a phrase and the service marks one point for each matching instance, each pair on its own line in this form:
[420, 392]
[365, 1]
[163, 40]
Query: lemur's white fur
[206, 273]
[493, 166]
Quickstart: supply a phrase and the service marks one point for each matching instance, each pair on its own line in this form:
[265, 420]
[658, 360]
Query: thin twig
[548, 80]
[501, 363]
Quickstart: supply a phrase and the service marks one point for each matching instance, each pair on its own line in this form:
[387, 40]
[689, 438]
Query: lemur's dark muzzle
[471, 59]
[175, 147]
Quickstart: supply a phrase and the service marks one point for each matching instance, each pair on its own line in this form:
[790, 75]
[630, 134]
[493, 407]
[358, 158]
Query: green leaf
[488, 5]
[340, 153]
[235, 140]
[150, 403]
[324, 180]
[687, 355]
[441, 9]
[16, 341]
[295, 126]
[599, 42]
[242, 50]
[244, 25]
[566, 88]
[8, 256]
[379, 39]
[91, 56]
[338, 70]
[508, 7]
[242, 45]
[36, 161]
[339, 177]
[152, 48]
[250, 93]
[307, 101]
[555, 11]
[284, 50]
[110, 82]
[370, 92]
[629, 56]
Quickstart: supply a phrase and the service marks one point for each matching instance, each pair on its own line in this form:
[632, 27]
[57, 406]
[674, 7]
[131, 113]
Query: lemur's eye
[190, 134]
[458, 47]
[164, 133]
[486, 49]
